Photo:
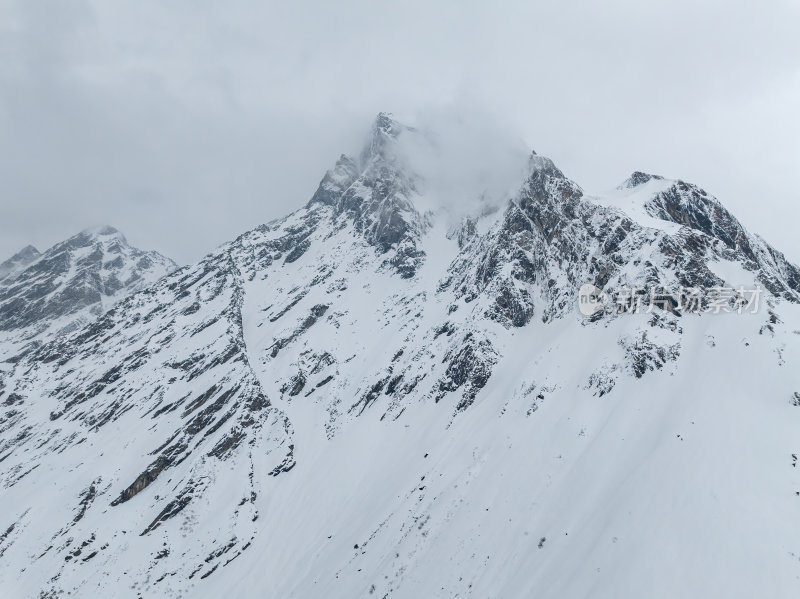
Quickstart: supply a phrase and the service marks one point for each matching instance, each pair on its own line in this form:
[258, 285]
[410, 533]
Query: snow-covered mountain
[18, 261]
[50, 294]
[366, 399]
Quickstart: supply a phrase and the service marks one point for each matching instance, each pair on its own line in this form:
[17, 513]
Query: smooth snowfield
[670, 486]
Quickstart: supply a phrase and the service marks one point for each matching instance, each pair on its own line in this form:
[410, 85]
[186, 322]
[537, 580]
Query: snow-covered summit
[638, 178]
[18, 261]
[75, 280]
[103, 231]
[695, 222]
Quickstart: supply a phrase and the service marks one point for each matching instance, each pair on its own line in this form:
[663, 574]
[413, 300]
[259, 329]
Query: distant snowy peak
[18, 261]
[682, 203]
[89, 270]
[542, 164]
[698, 230]
[688, 205]
[638, 178]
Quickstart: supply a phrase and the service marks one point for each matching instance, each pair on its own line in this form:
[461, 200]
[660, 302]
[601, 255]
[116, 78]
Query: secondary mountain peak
[18, 261]
[638, 178]
[103, 231]
[79, 277]
[538, 163]
[28, 251]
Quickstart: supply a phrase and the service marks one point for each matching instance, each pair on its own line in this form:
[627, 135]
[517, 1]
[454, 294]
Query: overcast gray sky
[185, 123]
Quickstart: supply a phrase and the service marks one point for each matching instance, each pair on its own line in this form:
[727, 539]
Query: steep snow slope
[357, 400]
[683, 488]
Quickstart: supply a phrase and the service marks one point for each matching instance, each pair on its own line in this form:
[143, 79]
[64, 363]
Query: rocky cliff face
[360, 400]
[376, 195]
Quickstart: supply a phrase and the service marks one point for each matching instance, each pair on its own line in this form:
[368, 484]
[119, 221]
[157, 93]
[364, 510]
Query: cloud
[185, 123]
[468, 159]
